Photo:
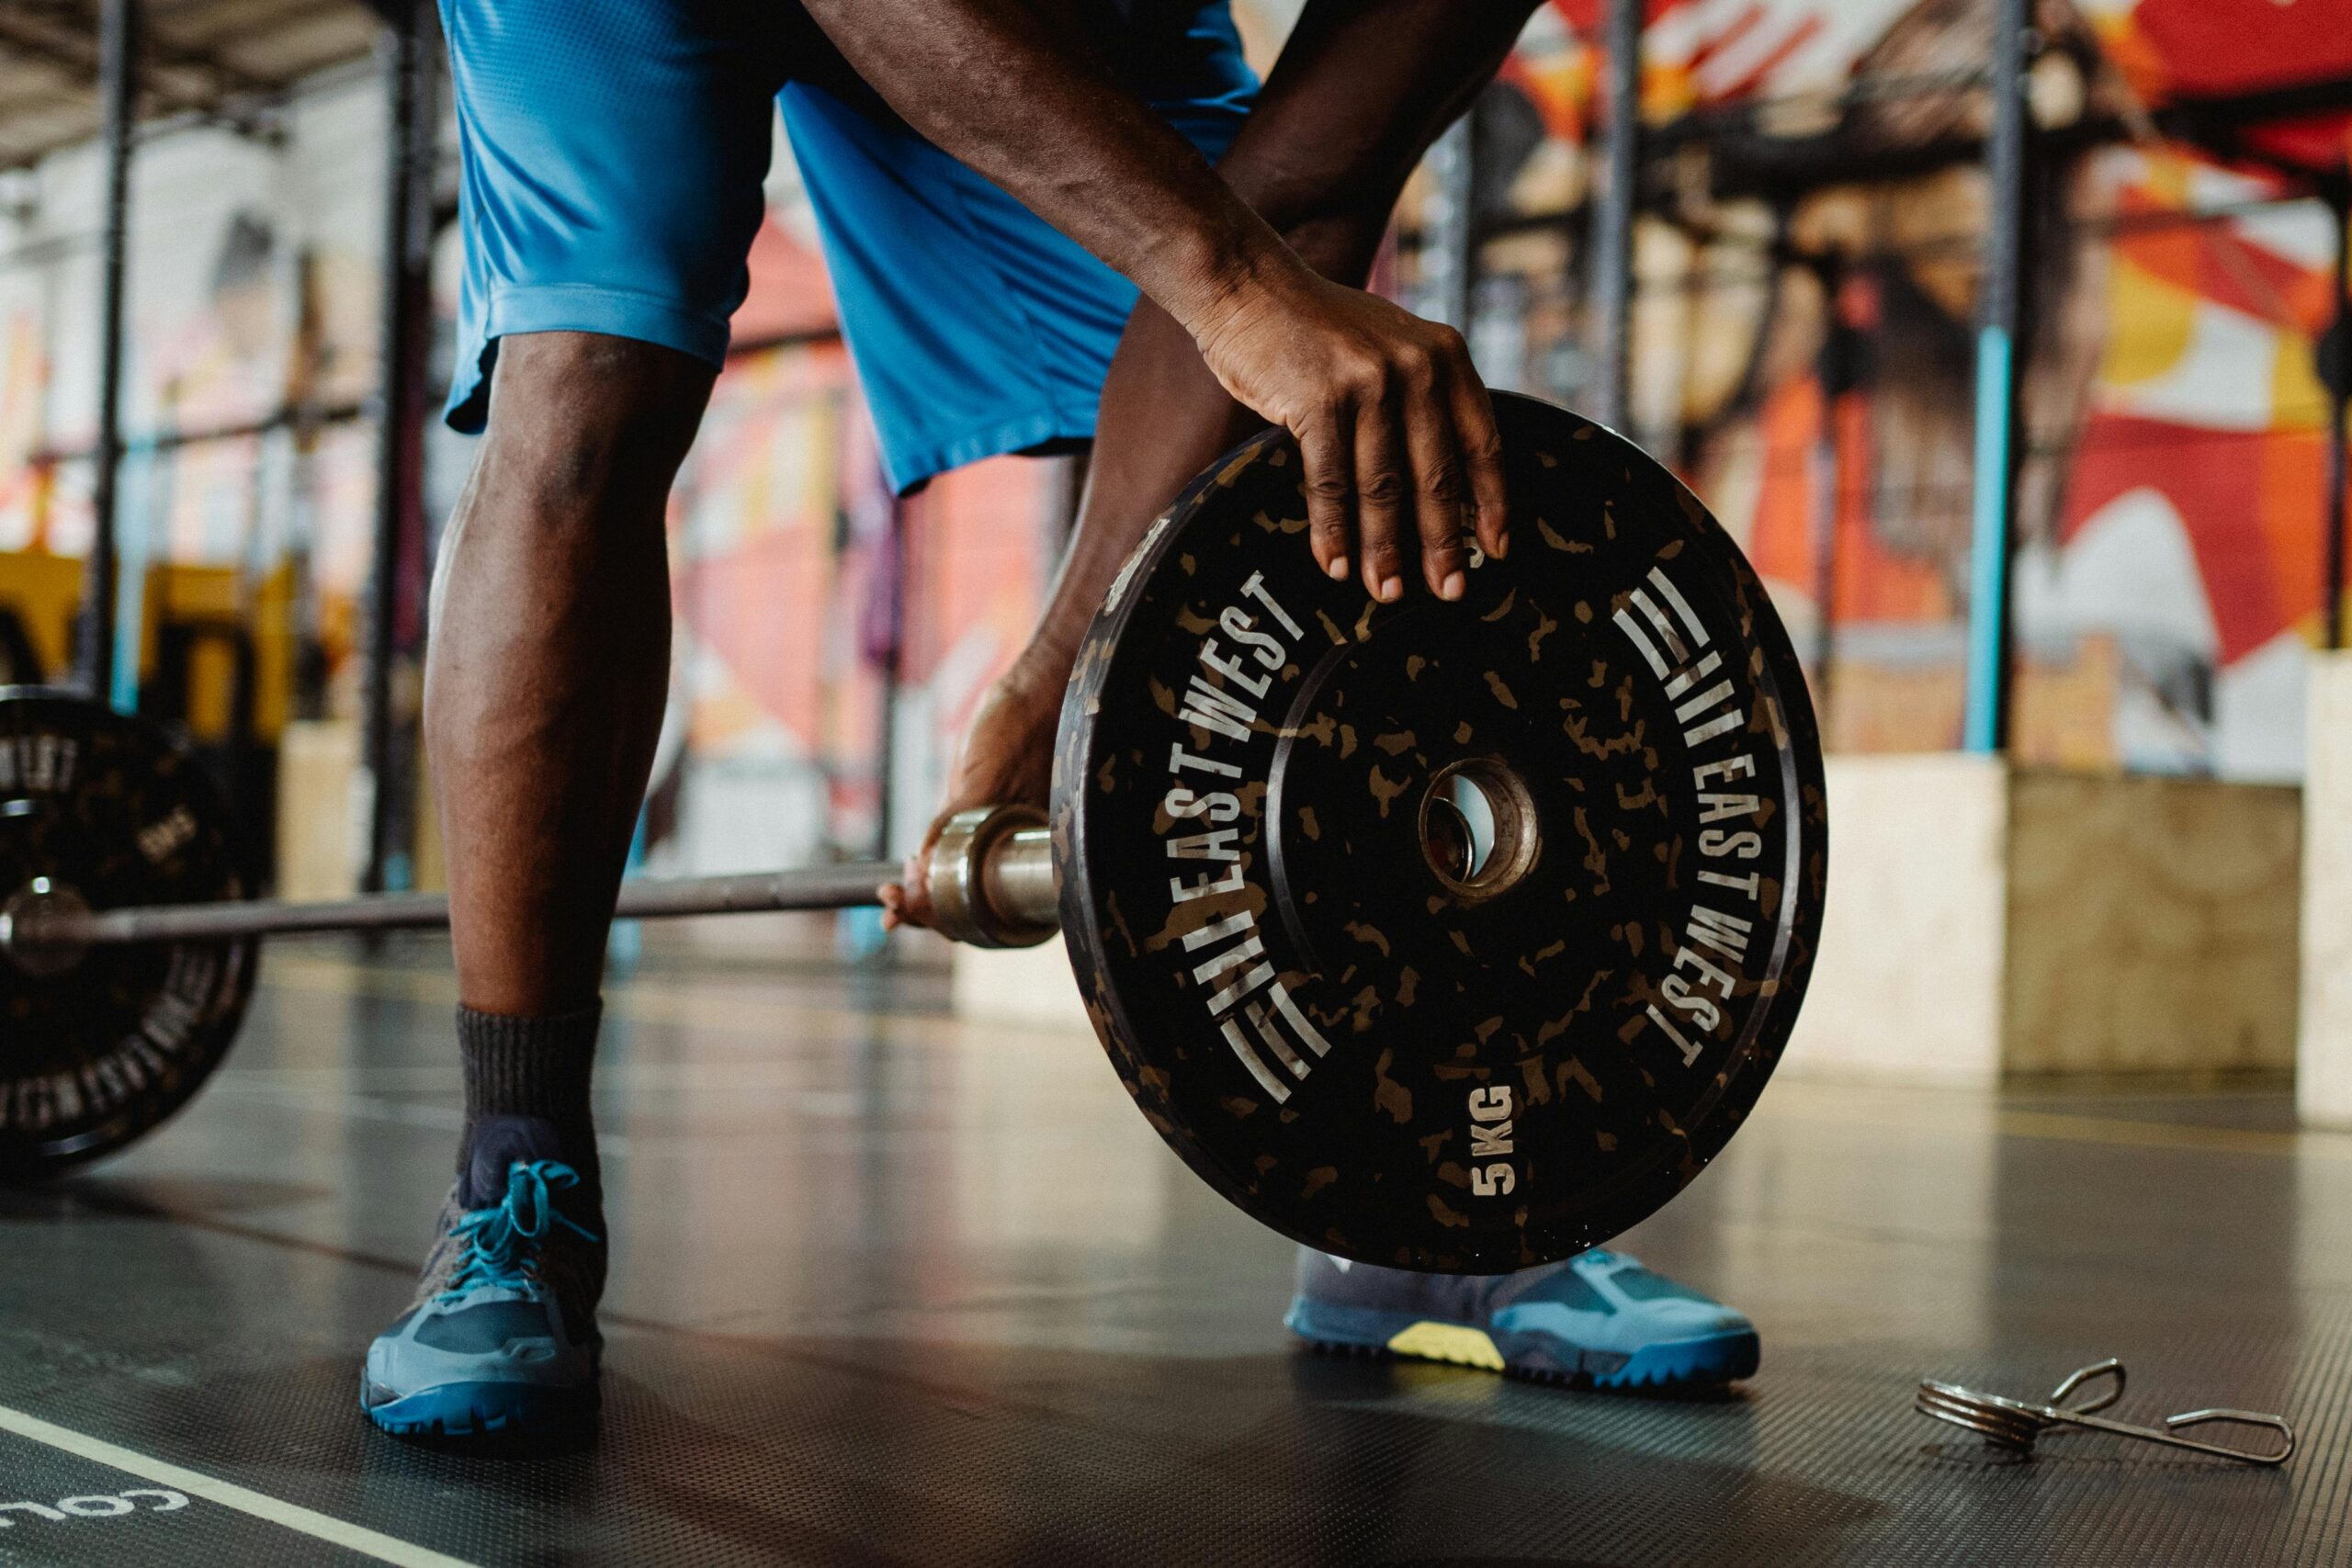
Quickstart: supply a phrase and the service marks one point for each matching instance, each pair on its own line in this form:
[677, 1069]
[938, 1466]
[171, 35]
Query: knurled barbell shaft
[1015, 872]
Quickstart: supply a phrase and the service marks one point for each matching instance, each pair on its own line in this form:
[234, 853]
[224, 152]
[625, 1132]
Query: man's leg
[551, 657]
[1163, 420]
[544, 690]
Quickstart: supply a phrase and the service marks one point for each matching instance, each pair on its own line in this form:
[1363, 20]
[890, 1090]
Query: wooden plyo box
[1986, 922]
[320, 827]
[2323, 1056]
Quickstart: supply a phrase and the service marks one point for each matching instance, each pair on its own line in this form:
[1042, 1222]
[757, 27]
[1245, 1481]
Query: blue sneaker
[1598, 1320]
[501, 1340]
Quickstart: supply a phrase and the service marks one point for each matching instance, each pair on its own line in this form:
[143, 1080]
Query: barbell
[1455, 936]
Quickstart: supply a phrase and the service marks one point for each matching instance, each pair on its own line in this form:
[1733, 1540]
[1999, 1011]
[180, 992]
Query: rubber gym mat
[911, 1371]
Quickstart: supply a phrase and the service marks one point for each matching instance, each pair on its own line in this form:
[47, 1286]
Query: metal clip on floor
[2015, 1425]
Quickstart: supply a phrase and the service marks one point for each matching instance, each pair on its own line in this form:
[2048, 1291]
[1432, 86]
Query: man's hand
[1402, 457]
[1401, 451]
[1006, 760]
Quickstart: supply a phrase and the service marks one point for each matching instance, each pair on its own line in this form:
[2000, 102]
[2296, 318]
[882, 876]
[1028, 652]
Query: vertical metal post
[1446, 240]
[2000, 314]
[888, 652]
[400, 450]
[94, 632]
[1613, 217]
[2337, 374]
[1836, 371]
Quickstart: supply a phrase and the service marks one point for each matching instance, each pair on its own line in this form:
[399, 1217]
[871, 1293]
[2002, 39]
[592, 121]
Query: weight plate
[1459, 936]
[97, 1047]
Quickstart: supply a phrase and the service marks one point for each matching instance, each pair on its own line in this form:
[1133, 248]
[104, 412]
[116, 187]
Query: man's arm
[1361, 88]
[1395, 426]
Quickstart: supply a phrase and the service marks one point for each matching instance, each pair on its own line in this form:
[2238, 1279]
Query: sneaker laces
[502, 1243]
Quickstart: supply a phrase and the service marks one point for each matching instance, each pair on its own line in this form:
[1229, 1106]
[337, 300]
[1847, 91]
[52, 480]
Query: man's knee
[584, 420]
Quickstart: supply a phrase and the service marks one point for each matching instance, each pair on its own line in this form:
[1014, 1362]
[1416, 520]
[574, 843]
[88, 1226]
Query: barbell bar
[991, 868]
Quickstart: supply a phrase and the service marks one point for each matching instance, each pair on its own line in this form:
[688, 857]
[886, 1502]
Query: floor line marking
[260, 1505]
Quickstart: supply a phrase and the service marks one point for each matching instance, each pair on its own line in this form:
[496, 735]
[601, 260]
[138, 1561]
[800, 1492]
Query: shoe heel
[1356, 1330]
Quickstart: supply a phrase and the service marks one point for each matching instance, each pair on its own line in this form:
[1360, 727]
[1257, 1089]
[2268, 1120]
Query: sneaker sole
[482, 1410]
[1704, 1361]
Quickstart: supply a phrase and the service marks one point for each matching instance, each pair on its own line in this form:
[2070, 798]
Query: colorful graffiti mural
[829, 630]
[1807, 275]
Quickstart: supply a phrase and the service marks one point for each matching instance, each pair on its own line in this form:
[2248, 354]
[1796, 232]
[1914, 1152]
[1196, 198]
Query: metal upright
[1449, 250]
[1613, 219]
[399, 451]
[1835, 367]
[2000, 316]
[94, 650]
[2336, 371]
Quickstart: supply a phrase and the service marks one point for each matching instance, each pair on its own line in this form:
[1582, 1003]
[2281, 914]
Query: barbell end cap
[39, 931]
[970, 897]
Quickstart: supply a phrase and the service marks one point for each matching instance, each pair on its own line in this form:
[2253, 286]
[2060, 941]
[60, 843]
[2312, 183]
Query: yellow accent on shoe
[1448, 1342]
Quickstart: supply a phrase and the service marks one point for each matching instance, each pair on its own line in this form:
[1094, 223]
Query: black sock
[527, 1093]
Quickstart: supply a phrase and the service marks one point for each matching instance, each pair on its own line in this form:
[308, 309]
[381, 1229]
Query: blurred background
[1805, 239]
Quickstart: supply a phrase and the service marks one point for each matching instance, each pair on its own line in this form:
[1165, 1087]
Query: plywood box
[2324, 1059]
[315, 836]
[320, 821]
[1028, 986]
[2151, 925]
[1907, 987]
[1986, 922]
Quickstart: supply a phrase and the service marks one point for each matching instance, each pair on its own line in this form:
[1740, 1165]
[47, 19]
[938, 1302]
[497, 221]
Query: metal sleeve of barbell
[813, 887]
[1021, 880]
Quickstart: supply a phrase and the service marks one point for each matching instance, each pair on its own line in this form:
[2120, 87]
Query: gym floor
[893, 1289]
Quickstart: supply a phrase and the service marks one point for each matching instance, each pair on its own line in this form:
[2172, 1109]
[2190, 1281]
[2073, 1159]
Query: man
[995, 180]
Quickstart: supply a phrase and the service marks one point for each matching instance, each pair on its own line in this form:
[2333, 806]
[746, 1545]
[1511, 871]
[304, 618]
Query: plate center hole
[1478, 830]
[1462, 829]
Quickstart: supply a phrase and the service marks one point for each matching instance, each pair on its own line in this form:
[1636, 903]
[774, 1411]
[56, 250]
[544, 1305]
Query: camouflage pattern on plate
[1457, 937]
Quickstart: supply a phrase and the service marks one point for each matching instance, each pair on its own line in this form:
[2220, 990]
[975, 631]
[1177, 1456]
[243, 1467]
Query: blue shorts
[613, 153]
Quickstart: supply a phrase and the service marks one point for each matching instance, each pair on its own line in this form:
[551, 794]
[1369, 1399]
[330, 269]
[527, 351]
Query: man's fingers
[1400, 455]
[1327, 454]
[1481, 445]
[1438, 490]
[1381, 483]
[906, 902]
